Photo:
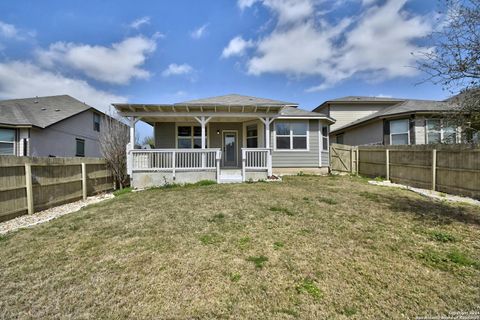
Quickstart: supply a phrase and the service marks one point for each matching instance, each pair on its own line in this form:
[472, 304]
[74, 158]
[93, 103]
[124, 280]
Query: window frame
[291, 136]
[77, 140]
[402, 133]
[441, 130]
[95, 114]
[192, 136]
[256, 137]
[13, 142]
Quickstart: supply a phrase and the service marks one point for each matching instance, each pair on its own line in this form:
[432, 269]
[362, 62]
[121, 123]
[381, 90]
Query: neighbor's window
[291, 135]
[340, 138]
[80, 149]
[252, 136]
[439, 131]
[7, 141]
[96, 122]
[399, 131]
[325, 138]
[190, 137]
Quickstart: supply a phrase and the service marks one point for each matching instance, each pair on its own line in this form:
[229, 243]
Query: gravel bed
[31, 220]
[428, 193]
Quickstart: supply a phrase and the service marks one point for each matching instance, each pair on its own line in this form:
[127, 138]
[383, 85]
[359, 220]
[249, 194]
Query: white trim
[291, 139]
[223, 148]
[191, 124]
[320, 143]
[198, 114]
[244, 133]
[408, 129]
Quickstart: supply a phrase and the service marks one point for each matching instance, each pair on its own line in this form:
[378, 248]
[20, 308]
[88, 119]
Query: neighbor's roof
[290, 112]
[359, 99]
[405, 107]
[40, 111]
[235, 100]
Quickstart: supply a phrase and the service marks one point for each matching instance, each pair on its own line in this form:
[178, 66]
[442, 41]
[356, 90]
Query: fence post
[434, 169]
[351, 160]
[28, 186]
[84, 181]
[387, 164]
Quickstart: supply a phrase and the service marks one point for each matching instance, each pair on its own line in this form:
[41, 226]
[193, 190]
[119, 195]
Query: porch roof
[231, 107]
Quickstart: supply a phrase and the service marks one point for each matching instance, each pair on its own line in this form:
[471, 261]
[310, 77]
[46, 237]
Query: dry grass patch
[308, 248]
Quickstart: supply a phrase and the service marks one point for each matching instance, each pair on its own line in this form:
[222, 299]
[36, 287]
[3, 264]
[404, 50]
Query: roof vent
[43, 108]
[36, 99]
[56, 110]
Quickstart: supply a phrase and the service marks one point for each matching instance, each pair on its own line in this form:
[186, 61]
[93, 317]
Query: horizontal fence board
[55, 181]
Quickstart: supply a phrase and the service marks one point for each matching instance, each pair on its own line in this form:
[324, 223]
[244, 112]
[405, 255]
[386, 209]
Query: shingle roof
[366, 99]
[236, 100]
[405, 107]
[40, 111]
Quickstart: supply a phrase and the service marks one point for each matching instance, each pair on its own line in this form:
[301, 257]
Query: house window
[80, 148]
[325, 138]
[252, 136]
[96, 122]
[439, 131]
[7, 141]
[399, 132]
[291, 135]
[189, 137]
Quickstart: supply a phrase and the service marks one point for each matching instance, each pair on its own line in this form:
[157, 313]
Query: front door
[229, 148]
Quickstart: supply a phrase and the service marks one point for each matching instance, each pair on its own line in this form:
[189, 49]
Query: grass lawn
[309, 248]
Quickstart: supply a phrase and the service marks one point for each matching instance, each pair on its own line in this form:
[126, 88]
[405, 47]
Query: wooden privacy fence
[29, 184]
[451, 169]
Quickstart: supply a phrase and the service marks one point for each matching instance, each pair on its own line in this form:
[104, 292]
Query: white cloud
[375, 44]
[177, 69]
[242, 4]
[23, 79]
[8, 30]
[236, 47]
[116, 64]
[199, 32]
[140, 22]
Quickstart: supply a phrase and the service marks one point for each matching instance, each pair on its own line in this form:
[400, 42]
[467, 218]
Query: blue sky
[306, 51]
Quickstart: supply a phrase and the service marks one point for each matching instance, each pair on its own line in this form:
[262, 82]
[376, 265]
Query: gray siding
[59, 139]
[164, 135]
[299, 159]
[325, 158]
[370, 133]
[216, 139]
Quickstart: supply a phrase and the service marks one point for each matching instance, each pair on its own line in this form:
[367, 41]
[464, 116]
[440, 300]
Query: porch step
[230, 179]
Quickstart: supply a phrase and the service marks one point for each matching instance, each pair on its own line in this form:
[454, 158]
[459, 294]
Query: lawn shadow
[433, 211]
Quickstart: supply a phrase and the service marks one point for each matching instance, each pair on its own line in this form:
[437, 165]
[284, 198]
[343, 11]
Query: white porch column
[203, 122]
[132, 132]
[267, 121]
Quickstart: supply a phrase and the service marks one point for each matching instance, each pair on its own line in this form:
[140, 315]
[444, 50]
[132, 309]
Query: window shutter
[412, 129]
[386, 132]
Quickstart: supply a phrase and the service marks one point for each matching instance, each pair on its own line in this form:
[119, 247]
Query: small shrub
[326, 200]
[301, 174]
[278, 245]
[119, 192]
[210, 238]
[442, 236]
[379, 179]
[308, 286]
[259, 261]
[235, 277]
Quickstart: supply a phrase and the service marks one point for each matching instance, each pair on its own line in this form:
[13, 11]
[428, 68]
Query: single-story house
[389, 121]
[229, 138]
[59, 126]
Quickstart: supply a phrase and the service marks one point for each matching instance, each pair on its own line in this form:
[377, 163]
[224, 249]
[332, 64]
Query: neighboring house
[388, 121]
[58, 126]
[227, 138]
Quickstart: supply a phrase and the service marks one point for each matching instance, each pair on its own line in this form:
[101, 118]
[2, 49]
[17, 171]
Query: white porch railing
[175, 159]
[256, 159]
